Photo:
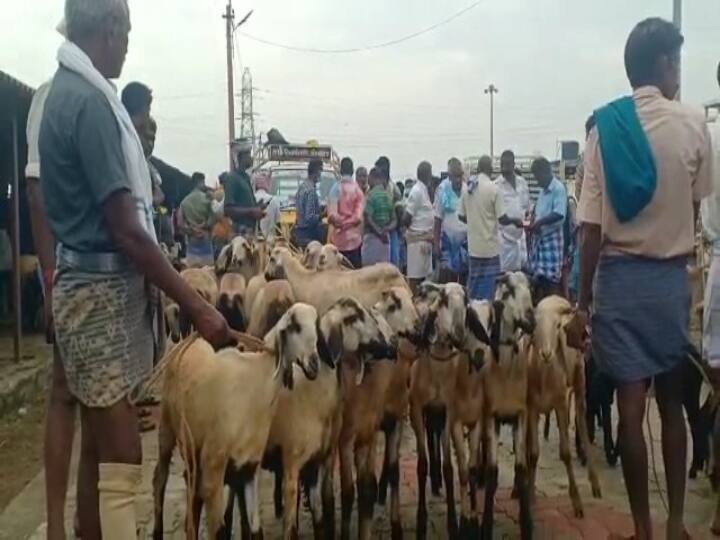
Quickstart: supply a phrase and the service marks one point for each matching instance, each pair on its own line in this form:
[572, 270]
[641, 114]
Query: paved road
[553, 512]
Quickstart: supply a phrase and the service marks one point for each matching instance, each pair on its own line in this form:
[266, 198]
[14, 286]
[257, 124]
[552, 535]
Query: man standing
[546, 228]
[96, 191]
[481, 207]
[419, 220]
[361, 177]
[648, 163]
[240, 203]
[198, 218]
[345, 214]
[516, 201]
[308, 221]
[450, 234]
[268, 225]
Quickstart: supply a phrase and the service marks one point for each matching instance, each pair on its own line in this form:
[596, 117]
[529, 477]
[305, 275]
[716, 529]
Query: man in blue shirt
[308, 222]
[546, 228]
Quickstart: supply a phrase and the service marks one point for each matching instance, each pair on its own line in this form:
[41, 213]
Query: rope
[652, 456]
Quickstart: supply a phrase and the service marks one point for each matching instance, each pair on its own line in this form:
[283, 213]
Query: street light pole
[677, 21]
[229, 19]
[492, 90]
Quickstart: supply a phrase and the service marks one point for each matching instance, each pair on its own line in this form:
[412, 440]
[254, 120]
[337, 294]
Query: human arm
[552, 217]
[237, 199]
[132, 239]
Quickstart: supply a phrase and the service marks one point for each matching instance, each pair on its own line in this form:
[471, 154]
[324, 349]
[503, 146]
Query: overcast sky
[553, 61]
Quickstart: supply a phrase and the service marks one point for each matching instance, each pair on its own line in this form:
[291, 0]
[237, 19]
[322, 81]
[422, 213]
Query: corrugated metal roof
[5, 78]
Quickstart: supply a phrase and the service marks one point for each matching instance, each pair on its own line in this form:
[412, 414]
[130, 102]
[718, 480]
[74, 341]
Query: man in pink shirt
[345, 212]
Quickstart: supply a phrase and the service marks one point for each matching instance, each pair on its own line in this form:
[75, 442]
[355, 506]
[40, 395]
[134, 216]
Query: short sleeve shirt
[681, 145]
[239, 192]
[82, 163]
[482, 205]
[418, 205]
[552, 200]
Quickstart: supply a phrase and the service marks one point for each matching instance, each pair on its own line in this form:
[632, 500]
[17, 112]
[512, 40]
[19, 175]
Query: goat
[240, 256]
[305, 426]
[378, 402]
[311, 256]
[172, 319]
[204, 282]
[322, 289]
[506, 389]
[230, 301]
[466, 409]
[254, 286]
[443, 310]
[557, 370]
[269, 305]
[220, 406]
[332, 259]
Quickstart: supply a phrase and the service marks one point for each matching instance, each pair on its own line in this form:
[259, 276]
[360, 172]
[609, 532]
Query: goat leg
[416, 419]
[521, 480]
[328, 497]
[366, 488]
[347, 489]
[392, 450]
[448, 476]
[491, 478]
[166, 446]
[582, 431]
[562, 415]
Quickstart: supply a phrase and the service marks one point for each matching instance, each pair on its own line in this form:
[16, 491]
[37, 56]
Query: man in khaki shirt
[637, 252]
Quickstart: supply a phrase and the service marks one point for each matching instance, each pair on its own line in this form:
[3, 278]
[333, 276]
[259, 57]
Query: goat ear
[223, 261]
[427, 333]
[285, 364]
[322, 347]
[344, 261]
[498, 308]
[476, 327]
[335, 345]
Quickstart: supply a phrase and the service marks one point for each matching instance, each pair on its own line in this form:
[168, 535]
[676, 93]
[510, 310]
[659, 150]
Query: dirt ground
[21, 441]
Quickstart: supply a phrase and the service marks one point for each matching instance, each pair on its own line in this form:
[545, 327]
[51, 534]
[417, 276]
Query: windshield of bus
[287, 181]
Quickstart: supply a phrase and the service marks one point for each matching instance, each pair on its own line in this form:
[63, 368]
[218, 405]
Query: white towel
[73, 58]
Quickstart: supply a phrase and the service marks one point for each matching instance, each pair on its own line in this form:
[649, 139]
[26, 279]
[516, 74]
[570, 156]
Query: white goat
[240, 256]
[219, 408]
[230, 300]
[270, 303]
[322, 289]
[205, 283]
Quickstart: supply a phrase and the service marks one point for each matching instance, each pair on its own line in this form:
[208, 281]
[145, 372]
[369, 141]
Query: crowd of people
[97, 219]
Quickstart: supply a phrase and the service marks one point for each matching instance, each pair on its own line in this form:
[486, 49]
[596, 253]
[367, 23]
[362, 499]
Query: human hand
[211, 326]
[385, 237]
[257, 212]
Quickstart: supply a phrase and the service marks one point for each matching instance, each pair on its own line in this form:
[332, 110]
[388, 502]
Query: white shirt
[272, 213]
[710, 206]
[516, 201]
[34, 120]
[482, 208]
[420, 208]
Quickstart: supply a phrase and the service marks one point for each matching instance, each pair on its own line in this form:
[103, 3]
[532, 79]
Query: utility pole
[492, 90]
[229, 27]
[247, 114]
[677, 21]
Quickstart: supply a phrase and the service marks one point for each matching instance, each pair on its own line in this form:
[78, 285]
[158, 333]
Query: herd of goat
[329, 357]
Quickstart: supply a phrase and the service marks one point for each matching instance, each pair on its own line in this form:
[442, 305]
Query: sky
[553, 61]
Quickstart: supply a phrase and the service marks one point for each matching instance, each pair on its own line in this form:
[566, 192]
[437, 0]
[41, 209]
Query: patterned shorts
[103, 331]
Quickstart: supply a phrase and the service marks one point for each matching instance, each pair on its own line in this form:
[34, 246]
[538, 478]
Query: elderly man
[96, 190]
[240, 203]
[516, 201]
[419, 221]
[648, 163]
[546, 228]
[481, 207]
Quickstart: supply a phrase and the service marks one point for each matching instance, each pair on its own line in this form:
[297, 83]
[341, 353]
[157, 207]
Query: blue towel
[630, 171]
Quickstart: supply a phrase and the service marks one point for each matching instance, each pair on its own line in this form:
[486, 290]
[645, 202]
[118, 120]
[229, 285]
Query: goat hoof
[596, 492]
[396, 530]
[514, 493]
[421, 524]
[715, 529]
[579, 512]
[468, 528]
[692, 474]
[612, 458]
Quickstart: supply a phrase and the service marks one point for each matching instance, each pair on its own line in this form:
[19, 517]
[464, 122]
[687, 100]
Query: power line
[367, 47]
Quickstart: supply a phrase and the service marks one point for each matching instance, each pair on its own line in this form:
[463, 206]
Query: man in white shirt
[482, 208]
[419, 220]
[516, 200]
[710, 212]
[268, 224]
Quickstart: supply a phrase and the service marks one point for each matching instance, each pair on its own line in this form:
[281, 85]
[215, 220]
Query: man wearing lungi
[482, 208]
[710, 210]
[546, 230]
[648, 163]
[98, 199]
[419, 221]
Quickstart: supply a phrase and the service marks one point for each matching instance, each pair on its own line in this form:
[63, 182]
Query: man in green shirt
[198, 219]
[240, 203]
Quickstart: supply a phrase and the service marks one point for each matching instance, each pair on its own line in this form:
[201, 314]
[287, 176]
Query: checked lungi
[482, 277]
[546, 256]
[103, 325]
